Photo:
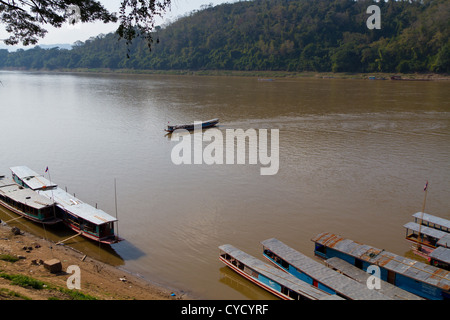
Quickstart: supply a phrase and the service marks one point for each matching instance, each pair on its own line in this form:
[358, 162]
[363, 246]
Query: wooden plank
[59, 242]
[17, 218]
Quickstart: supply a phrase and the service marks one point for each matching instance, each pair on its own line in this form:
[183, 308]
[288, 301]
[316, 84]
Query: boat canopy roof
[407, 267]
[330, 278]
[6, 181]
[444, 241]
[32, 179]
[432, 219]
[77, 207]
[277, 275]
[25, 196]
[431, 232]
[441, 254]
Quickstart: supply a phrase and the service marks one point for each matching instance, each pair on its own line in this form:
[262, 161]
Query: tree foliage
[295, 35]
[25, 19]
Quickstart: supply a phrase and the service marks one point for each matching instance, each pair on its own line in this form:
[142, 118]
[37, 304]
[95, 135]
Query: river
[354, 156]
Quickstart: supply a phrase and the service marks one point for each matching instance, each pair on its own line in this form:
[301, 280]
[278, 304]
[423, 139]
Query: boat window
[321, 248]
[294, 295]
[269, 253]
[358, 263]
[284, 264]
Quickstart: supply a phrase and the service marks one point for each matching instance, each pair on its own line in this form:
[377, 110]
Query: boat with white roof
[81, 217]
[27, 203]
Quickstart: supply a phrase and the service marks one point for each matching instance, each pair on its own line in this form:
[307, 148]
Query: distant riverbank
[263, 75]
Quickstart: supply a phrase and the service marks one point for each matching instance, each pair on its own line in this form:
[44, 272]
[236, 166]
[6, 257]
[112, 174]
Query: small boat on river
[192, 126]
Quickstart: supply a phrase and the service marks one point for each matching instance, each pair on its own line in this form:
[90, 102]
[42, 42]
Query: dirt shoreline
[98, 280]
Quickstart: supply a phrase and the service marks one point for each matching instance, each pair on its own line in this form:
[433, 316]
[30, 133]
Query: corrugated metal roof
[6, 181]
[77, 207]
[338, 282]
[33, 180]
[425, 230]
[23, 172]
[411, 268]
[441, 254]
[361, 276]
[276, 274]
[25, 196]
[432, 219]
[444, 241]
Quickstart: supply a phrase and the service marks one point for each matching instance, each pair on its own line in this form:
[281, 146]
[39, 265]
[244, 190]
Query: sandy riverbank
[98, 280]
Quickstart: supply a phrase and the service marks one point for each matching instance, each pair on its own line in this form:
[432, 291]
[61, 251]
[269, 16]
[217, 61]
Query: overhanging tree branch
[25, 20]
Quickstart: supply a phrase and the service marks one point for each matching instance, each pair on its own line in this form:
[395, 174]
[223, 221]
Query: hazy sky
[70, 34]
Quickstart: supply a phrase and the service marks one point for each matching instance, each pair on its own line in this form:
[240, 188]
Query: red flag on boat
[426, 186]
[46, 169]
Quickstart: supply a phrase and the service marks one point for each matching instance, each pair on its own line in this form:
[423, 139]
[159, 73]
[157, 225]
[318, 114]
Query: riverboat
[84, 219]
[270, 278]
[26, 202]
[323, 277]
[427, 233]
[192, 126]
[421, 279]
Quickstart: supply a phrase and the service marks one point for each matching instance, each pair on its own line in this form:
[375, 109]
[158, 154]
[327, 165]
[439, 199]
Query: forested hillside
[297, 35]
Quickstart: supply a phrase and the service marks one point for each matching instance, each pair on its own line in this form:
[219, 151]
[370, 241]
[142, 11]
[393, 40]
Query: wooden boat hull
[190, 127]
[255, 281]
[106, 240]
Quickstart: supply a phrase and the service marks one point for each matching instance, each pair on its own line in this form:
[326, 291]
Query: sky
[68, 34]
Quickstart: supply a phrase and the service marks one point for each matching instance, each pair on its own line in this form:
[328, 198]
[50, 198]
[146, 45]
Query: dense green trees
[296, 35]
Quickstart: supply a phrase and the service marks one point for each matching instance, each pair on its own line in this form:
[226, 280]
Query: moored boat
[317, 274]
[427, 233]
[81, 217]
[270, 278]
[421, 279]
[27, 203]
[192, 126]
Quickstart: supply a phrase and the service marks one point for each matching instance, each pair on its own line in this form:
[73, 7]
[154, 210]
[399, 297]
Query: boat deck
[348, 288]
[252, 265]
[424, 276]
[361, 276]
[19, 194]
[32, 179]
[77, 207]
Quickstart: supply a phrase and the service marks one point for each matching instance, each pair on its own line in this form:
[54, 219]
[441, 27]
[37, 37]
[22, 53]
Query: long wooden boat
[421, 279]
[90, 222]
[270, 278]
[317, 274]
[27, 203]
[192, 126]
